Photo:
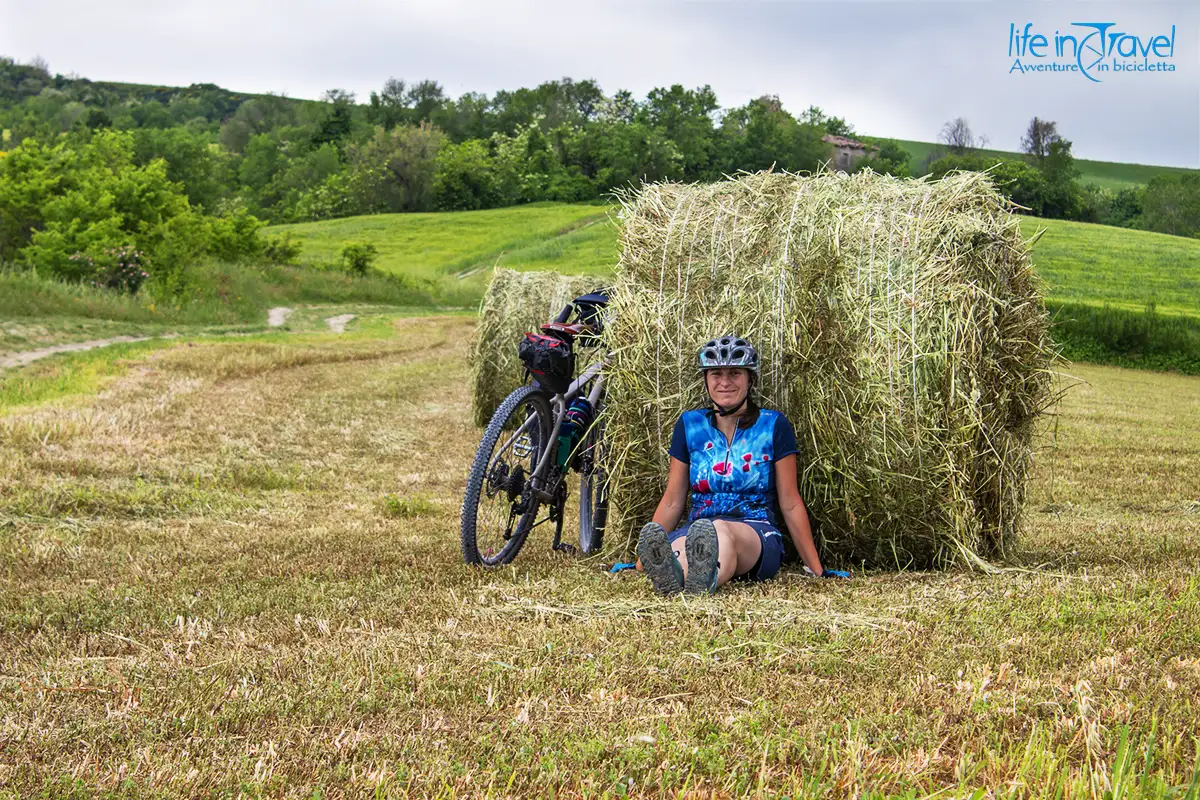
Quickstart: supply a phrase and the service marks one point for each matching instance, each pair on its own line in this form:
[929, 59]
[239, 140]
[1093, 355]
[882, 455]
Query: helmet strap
[725, 412]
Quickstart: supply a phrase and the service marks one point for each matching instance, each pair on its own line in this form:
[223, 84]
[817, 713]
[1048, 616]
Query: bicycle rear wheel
[498, 509]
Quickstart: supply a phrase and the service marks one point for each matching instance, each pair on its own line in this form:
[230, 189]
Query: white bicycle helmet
[728, 351]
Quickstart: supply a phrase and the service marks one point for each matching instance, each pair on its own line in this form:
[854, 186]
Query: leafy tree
[1062, 189]
[358, 257]
[390, 106]
[191, 161]
[466, 178]
[404, 161]
[425, 97]
[152, 115]
[86, 198]
[762, 134]
[835, 126]
[620, 108]
[339, 119]
[891, 159]
[96, 119]
[30, 175]
[1172, 204]
[685, 116]
[470, 117]
[612, 155]
[1020, 182]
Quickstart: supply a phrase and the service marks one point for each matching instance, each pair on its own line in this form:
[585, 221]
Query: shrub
[235, 237]
[358, 257]
[281, 250]
[122, 269]
[1143, 340]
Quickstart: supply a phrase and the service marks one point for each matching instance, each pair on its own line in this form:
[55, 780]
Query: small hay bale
[902, 330]
[515, 302]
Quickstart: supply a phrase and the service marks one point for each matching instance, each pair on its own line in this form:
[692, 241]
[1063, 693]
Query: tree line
[80, 157]
[1046, 182]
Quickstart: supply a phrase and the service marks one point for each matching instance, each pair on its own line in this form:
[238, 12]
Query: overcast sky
[897, 69]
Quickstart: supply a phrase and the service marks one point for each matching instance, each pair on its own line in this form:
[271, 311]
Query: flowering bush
[123, 269]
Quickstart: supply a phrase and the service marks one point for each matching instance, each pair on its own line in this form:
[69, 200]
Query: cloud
[891, 68]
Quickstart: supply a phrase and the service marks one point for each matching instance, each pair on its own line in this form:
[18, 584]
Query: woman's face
[727, 385]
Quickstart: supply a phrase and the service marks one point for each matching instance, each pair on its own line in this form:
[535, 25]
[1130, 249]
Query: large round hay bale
[902, 330]
[515, 302]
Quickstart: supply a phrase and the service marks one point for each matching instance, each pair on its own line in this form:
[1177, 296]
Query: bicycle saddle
[570, 329]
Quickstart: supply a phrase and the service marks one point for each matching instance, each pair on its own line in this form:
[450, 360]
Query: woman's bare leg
[738, 549]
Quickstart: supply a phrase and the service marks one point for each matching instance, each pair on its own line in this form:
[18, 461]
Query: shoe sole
[654, 549]
[702, 557]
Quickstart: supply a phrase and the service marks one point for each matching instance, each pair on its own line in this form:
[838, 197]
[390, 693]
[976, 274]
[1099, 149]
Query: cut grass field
[235, 571]
[1108, 174]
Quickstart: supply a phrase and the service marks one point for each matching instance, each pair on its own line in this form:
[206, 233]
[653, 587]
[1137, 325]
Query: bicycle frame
[538, 476]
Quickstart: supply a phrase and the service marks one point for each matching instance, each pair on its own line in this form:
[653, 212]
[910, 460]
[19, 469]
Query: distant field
[1110, 175]
[540, 235]
[1098, 264]
[1082, 263]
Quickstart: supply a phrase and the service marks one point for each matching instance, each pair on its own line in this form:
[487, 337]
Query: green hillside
[1121, 267]
[1108, 174]
[571, 238]
[1081, 263]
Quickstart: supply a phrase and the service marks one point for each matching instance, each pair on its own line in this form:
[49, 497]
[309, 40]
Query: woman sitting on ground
[740, 462]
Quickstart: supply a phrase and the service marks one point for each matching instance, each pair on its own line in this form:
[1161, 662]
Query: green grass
[68, 374]
[1108, 174]
[1120, 267]
[236, 571]
[436, 244]
[37, 311]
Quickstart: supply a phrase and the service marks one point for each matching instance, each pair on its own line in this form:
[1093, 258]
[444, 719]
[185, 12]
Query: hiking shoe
[658, 560]
[702, 558]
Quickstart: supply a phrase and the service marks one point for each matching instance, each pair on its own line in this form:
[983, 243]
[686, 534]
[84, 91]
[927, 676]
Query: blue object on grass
[622, 567]
[834, 573]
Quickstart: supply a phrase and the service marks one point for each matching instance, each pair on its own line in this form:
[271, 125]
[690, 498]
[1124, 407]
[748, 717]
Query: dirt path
[29, 356]
[276, 317]
[338, 324]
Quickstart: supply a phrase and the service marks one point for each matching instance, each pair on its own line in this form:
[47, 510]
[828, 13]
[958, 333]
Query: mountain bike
[535, 443]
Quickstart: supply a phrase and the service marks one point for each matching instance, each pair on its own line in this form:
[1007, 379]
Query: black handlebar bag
[550, 359]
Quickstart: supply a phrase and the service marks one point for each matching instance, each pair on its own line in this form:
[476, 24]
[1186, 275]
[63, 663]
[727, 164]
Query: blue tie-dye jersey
[733, 478]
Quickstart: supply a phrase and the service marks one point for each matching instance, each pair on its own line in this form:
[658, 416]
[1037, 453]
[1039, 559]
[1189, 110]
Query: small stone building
[846, 152]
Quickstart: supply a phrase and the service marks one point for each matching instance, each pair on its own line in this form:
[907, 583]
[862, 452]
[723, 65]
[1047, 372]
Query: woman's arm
[794, 513]
[674, 499]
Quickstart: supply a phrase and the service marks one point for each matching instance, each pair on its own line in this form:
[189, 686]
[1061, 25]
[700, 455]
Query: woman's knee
[743, 539]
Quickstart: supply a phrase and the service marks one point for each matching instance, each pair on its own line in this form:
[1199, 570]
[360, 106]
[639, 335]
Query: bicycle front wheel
[498, 509]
